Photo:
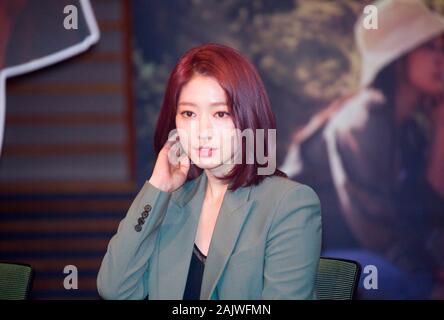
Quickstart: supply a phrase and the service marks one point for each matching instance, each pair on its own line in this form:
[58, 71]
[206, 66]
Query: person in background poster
[376, 157]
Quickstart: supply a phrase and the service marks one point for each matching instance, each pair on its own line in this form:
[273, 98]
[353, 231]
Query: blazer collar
[195, 191]
[234, 210]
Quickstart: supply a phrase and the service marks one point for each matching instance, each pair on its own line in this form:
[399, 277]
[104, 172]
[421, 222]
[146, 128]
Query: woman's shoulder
[360, 110]
[277, 188]
[288, 202]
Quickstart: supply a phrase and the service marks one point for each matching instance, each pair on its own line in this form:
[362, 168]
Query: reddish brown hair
[246, 96]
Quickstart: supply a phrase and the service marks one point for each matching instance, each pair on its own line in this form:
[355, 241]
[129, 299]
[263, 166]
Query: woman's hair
[385, 81]
[246, 97]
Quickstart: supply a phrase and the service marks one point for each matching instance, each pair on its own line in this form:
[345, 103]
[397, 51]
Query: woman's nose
[205, 128]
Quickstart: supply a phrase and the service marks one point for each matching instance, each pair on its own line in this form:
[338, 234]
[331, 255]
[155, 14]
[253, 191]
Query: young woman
[208, 224]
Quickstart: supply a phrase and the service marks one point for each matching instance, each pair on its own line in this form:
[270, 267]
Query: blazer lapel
[177, 248]
[186, 210]
[234, 210]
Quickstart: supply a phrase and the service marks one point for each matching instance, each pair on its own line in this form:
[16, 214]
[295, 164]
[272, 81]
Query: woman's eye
[187, 114]
[222, 114]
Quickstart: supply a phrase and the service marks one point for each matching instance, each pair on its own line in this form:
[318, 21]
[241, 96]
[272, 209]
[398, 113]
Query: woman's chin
[208, 164]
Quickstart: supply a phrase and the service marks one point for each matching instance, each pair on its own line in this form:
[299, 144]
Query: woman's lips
[205, 151]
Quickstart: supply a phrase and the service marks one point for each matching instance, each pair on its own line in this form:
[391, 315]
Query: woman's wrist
[159, 184]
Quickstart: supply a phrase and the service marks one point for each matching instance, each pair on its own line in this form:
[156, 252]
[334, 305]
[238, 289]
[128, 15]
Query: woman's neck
[216, 187]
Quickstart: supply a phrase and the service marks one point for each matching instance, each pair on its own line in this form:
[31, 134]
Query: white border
[48, 60]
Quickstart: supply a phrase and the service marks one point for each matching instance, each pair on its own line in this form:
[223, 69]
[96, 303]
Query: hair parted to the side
[246, 96]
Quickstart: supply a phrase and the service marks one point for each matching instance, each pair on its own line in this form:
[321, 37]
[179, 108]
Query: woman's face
[205, 124]
[425, 67]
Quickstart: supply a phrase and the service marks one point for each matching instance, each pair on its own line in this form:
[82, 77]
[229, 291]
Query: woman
[207, 224]
[378, 155]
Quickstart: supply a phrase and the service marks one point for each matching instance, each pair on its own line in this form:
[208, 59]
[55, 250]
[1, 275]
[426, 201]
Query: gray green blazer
[265, 245]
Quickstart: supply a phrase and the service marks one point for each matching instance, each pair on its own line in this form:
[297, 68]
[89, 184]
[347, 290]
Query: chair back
[337, 279]
[15, 281]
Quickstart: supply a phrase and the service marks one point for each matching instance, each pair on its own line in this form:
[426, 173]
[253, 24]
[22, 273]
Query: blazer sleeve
[124, 269]
[293, 246]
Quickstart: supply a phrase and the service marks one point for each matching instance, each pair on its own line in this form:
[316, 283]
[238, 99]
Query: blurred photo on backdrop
[377, 155]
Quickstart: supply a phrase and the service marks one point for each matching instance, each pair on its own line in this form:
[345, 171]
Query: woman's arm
[293, 246]
[124, 268]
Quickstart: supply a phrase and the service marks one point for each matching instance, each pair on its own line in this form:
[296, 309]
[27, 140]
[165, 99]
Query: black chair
[15, 281]
[337, 279]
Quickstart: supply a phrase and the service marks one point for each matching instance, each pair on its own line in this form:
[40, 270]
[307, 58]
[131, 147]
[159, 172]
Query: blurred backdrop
[78, 135]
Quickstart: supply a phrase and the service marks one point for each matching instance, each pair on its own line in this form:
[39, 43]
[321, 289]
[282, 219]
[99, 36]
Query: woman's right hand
[171, 168]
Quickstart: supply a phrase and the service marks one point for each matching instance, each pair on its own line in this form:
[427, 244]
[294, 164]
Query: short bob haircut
[246, 98]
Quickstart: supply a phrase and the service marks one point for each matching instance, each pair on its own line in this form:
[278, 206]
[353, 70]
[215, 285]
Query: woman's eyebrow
[213, 104]
[217, 104]
[184, 103]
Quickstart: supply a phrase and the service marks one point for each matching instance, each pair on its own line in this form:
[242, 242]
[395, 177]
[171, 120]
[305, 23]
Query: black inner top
[195, 273]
